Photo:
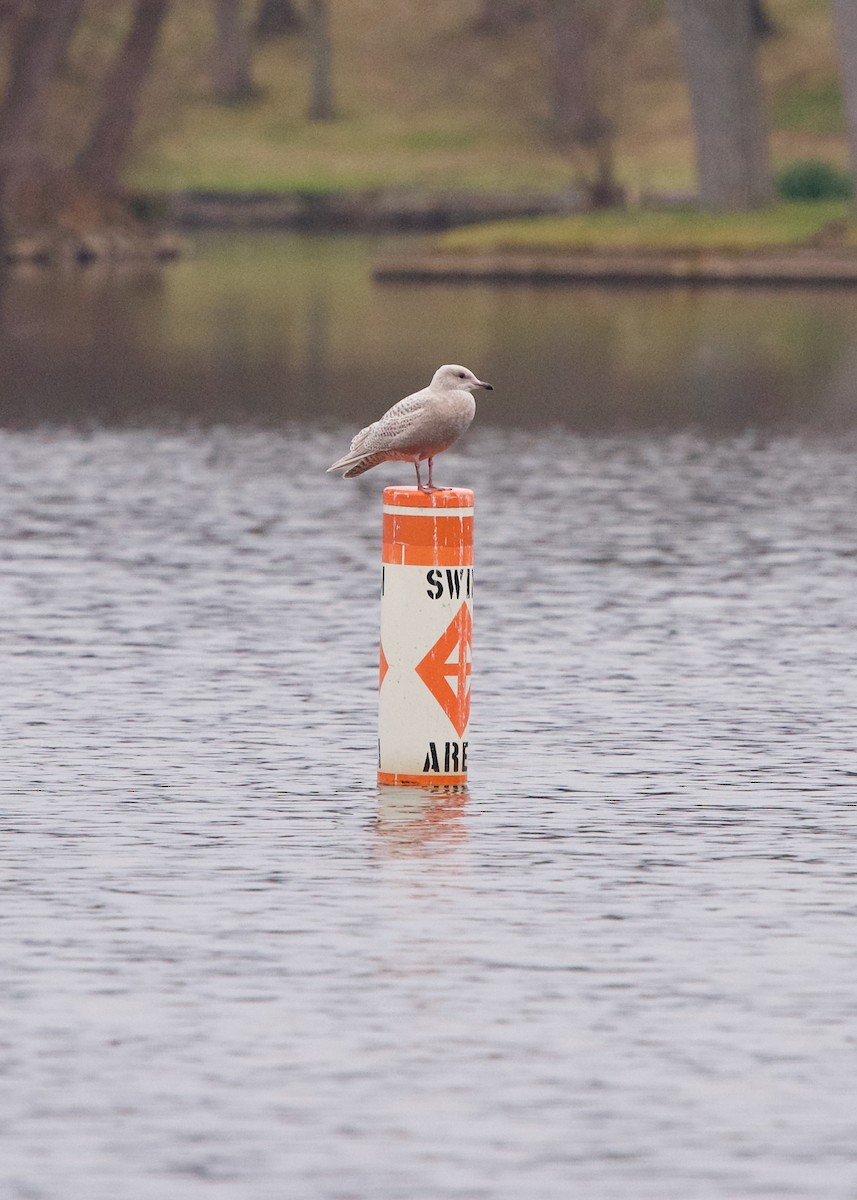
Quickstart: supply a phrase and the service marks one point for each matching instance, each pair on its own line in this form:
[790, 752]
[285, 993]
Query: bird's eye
[461, 375]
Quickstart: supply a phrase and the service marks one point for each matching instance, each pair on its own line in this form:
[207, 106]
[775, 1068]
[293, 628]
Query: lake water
[624, 963]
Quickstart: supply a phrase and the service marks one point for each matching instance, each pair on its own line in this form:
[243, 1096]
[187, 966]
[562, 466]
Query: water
[624, 963]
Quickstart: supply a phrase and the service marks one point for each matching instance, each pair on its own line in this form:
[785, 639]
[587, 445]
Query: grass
[780, 225]
[420, 102]
[424, 101]
[811, 109]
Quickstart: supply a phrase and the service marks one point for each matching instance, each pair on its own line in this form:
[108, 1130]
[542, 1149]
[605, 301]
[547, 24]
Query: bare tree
[731, 140]
[41, 39]
[321, 86]
[845, 18]
[277, 18]
[102, 158]
[763, 23]
[587, 47]
[501, 16]
[10, 13]
[51, 208]
[231, 64]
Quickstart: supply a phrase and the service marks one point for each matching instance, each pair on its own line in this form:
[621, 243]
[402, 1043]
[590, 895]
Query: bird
[418, 427]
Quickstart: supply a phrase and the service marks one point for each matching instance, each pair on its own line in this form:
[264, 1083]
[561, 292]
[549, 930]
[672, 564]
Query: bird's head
[454, 378]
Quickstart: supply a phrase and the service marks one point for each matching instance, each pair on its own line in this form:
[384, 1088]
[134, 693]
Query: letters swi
[454, 582]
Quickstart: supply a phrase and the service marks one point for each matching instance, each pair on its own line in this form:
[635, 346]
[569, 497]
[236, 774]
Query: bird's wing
[359, 438]
[396, 425]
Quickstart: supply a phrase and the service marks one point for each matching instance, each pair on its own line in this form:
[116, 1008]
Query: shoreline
[775, 266]
[381, 209]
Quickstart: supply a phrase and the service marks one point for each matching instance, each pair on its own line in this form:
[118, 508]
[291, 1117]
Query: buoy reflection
[421, 819]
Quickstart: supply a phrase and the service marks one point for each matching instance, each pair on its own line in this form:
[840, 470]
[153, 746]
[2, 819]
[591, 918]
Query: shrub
[813, 180]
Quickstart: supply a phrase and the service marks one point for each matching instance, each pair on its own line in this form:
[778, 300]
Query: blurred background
[193, 196]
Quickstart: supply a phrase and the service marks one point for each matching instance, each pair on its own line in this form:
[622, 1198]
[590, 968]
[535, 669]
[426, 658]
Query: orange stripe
[419, 780]
[443, 532]
[412, 497]
[424, 541]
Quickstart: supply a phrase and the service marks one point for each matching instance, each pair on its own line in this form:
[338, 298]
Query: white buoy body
[426, 636]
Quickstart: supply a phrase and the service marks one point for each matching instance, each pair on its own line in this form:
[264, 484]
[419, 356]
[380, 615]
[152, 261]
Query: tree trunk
[845, 18]
[763, 25]
[725, 96]
[277, 18]
[321, 85]
[101, 160]
[583, 41]
[43, 37]
[231, 71]
[10, 14]
[501, 16]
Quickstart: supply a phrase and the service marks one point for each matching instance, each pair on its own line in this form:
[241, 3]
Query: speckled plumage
[418, 427]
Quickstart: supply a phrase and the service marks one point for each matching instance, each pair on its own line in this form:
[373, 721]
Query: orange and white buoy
[426, 634]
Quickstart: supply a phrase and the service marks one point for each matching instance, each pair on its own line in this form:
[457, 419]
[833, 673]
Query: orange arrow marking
[383, 667]
[436, 670]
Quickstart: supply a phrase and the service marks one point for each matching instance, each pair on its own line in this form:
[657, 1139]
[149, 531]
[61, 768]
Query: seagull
[418, 427]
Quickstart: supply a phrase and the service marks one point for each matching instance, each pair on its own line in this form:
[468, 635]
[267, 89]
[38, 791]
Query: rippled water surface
[624, 964]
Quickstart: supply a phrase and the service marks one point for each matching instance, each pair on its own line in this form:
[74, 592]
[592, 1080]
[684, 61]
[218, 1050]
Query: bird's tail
[354, 463]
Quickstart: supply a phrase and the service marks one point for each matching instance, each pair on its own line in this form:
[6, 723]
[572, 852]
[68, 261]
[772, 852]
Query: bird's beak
[488, 387]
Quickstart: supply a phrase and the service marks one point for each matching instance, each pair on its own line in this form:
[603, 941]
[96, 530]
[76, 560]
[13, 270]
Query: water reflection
[267, 329]
[420, 820]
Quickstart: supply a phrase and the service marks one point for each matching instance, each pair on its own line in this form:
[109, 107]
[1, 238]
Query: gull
[418, 427]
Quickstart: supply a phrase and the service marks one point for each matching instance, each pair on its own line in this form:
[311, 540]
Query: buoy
[426, 635]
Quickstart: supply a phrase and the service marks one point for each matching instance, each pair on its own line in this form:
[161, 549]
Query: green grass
[259, 150]
[422, 101]
[779, 225]
[817, 109]
[439, 139]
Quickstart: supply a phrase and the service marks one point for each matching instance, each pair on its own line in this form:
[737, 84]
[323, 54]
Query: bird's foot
[431, 487]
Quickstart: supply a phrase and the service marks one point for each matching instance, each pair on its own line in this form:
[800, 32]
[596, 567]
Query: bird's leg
[430, 486]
